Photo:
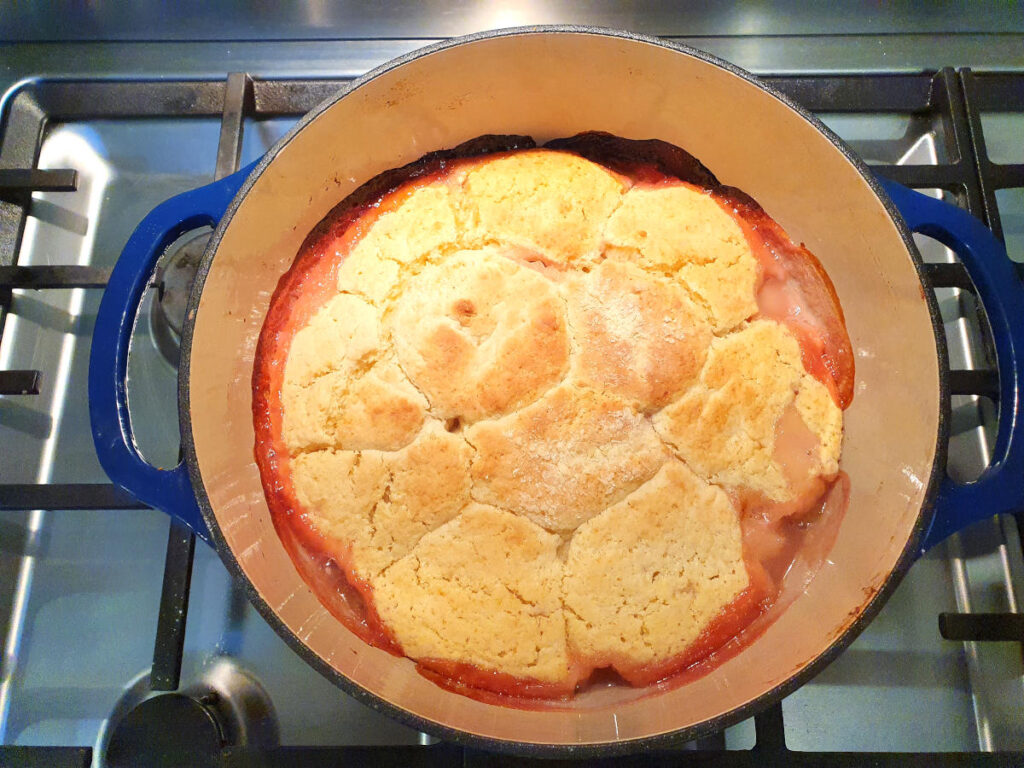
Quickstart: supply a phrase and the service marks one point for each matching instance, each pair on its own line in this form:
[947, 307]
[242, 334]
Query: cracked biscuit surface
[552, 203]
[566, 457]
[479, 334]
[482, 589]
[421, 225]
[642, 577]
[639, 334]
[524, 420]
[379, 504]
[725, 427]
[684, 233]
[342, 386]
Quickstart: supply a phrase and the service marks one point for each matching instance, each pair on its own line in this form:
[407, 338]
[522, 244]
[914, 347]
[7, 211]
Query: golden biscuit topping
[638, 334]
[480, 335]
[524, 418]
[642, 577]
[683, 233]
[423, 224]
[563, 459]
[343, 387]
[483, 588]
[725, 426]
[380, 503]
[554, 204]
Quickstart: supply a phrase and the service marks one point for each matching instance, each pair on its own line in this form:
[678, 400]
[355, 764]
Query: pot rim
[867, 611]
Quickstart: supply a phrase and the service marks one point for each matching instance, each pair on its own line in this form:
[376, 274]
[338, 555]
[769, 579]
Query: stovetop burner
[173, 280]
[225, 708]
[158, 732]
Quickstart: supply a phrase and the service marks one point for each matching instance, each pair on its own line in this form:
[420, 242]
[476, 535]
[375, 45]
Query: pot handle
[1000, 489]
[168, 490]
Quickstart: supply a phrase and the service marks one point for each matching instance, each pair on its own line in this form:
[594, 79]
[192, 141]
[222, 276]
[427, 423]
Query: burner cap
[167, 730]
[224, 707]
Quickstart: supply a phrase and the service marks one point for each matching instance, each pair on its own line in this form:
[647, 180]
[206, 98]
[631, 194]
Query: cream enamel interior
[547, 85]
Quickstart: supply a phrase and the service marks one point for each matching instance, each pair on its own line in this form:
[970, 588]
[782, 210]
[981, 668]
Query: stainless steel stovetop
[81, 589]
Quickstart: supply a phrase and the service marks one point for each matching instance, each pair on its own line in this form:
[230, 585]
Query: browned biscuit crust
[517, 420]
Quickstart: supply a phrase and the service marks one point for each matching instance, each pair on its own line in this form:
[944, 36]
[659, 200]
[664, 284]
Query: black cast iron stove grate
[953, 100]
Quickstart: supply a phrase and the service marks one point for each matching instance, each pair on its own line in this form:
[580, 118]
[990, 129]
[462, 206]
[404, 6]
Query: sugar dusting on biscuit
[563, 459]
[638, 334]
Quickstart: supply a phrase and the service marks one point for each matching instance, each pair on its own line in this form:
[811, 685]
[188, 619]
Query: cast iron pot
[552, 82]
